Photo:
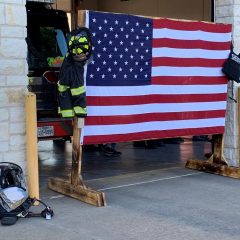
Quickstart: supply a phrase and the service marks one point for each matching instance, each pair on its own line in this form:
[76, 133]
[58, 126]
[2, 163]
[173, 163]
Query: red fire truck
[47, 30]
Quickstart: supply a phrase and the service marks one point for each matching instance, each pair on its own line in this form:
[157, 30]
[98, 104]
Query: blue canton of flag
[122, 52]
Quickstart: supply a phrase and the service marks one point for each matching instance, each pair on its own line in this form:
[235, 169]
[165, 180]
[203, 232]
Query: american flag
[154, 78]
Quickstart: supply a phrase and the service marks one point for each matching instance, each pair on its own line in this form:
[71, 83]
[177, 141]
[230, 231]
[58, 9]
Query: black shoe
[108, 151]
[116, 153]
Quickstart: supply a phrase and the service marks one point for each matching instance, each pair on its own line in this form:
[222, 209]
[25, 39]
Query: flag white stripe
[152, 126]
[187, 71]
[189, 53]
[102, 91]
[154, 108]
[191, 35]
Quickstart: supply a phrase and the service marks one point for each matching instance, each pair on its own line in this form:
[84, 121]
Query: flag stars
[122, 49]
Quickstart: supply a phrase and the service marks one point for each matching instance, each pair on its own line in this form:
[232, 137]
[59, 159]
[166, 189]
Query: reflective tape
[78, 91]
[67, 113]
[62, 88]
[80, 110]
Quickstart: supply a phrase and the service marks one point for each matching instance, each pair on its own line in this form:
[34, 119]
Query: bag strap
[232, 93]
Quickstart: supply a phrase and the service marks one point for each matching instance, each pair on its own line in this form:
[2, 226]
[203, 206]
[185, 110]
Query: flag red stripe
[191, 26]
[187, 62]
[146, 99]
[138, 118]
[188, 80]
[152, 135]
[190, 44]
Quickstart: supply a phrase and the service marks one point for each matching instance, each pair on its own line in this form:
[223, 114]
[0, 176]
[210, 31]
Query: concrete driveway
[169, 204]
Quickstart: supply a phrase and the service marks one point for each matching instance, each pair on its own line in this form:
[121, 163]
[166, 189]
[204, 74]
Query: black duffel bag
[231, 67]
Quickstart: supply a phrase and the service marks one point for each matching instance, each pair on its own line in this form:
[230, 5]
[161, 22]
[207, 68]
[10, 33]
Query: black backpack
[14, 199]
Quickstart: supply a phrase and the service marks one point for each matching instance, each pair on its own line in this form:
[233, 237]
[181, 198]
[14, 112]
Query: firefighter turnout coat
[71, 89]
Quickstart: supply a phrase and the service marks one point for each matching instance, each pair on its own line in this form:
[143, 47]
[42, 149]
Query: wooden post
[76, 178]
[75, 5]
[75, 187]
[238, 116]
[31, 142]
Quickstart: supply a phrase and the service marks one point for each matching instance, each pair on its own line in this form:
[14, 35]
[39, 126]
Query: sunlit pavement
[149, 194]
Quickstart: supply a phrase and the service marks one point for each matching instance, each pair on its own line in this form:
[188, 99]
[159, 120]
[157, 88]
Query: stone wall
[228, 11]
[13, 80]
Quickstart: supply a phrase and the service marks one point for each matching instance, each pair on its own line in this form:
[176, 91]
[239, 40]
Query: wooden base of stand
[214, 168]
[216, 164]
[79, 192]
[75, 187]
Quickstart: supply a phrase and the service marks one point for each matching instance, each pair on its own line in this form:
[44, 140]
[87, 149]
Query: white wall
[13, 80]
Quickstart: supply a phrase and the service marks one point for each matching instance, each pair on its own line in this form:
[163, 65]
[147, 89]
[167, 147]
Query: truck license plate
[45, 131]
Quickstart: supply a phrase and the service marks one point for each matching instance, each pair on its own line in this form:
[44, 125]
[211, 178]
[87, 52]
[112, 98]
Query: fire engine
[47, 30]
